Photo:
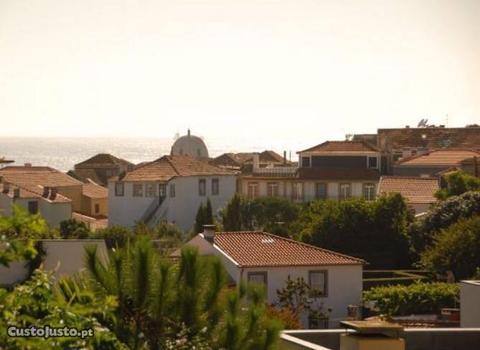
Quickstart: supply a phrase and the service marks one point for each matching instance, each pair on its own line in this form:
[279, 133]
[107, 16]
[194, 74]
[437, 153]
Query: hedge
[417, 298]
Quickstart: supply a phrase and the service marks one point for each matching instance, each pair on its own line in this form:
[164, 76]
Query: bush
[114, 236]
[72, 228]
[457, 183]
[417, 298]
[456, 249]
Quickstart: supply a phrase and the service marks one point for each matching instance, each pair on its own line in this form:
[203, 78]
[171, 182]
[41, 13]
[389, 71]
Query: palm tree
[164, 304]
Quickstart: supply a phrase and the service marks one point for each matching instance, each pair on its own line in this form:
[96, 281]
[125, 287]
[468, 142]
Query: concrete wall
[180, 209]
[63, 256]
[470, 303]
[415, 339]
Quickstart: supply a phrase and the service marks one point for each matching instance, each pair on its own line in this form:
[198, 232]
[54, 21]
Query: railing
[152, 209]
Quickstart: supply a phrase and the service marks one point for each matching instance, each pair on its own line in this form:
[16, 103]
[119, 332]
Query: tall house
[339, 170]
[169, 189]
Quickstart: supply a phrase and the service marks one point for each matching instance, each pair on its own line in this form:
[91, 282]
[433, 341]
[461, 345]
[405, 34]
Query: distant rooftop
[102, 160]
[342, 146]
[37, 175]
[444, 157]
[417, 190]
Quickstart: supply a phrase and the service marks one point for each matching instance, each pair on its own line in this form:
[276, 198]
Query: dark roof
[430, 138]
[239, 159]
[102, 160]
[167, 167]
[259, 249]
[338, 174]
[342, 146]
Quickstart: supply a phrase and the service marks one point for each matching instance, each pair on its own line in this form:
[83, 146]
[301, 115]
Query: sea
[63, 152]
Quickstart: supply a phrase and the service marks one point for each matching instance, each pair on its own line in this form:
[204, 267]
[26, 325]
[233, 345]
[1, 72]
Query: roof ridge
[172, 165]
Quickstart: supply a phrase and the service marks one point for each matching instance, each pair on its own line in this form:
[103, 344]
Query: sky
[251, 71]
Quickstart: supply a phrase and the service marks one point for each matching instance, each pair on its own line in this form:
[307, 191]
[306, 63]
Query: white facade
[179, 207]
[470, 304]
[343, 284]
[52, 212]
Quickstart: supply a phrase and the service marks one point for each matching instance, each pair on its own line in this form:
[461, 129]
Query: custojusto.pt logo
[48, 332]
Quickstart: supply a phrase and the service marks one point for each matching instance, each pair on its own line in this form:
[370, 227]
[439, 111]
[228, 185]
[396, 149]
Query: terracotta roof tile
[102, 160]
[446, 157]
[167, 167]
[414, 189]
[93, 190]
[37, 175]
[32, 192]
[342, 146]
[250, 249]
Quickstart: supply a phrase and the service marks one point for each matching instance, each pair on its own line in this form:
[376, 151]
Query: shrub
[457, 183]
[417, 298]
[72, 228]
[456, 249]
[114, 236]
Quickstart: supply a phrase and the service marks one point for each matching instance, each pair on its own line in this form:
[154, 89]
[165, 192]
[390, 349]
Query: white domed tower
[189, 145]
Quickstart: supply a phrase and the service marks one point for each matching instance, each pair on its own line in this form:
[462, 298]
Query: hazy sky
[269, 70]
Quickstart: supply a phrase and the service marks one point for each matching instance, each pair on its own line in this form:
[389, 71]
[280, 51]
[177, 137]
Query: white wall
[181, 209]
[344, 286]
[470, 304]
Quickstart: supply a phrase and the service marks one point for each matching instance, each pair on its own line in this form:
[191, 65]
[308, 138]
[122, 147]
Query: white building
[52, 206]
[269, 259]
[169, 189]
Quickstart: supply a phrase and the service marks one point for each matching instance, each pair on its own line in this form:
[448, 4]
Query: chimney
[284, 157]
[53, 193]
[16, 192]
[45, 191]
[209, 232]
[256, 162]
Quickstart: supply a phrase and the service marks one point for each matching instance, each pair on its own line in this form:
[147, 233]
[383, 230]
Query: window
[202, 187]
[345, 191]
[162, 190]
[306, 162]
[369, 191]
[372, 162]
[272, 189]
[97, 208]
[318, 281]
[257, 277]
[215, 187]
[252, 190]
[321, 190]
[138, 190]
[172, 190]
[33, 207]
[119, 189]
[297, 191]
[150, 190]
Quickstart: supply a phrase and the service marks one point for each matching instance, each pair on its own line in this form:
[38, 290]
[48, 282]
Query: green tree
[209, 220]
[440, 217]
[232, 214]
[200, 219]
[21, 224]
[457, 183]
[114, 236]
[159, 302]
[456, 249]
[72, 228]
[375, 231]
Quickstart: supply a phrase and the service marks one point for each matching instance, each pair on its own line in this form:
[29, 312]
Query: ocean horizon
[63, 152]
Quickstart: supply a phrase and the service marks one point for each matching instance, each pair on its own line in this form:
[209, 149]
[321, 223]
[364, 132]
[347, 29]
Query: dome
[189, 145]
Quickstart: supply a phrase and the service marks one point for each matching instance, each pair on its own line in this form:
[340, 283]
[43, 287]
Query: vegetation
[272, 214]
[457, 183]
[22, 225]
[204, 216]
[456, 249]
[161, 305]
[39, 302]
[440, 217]
[72, 228]
[417, 298]
[375, 231]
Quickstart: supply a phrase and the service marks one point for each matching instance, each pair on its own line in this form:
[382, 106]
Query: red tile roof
[342, 146]
[417, 190]
[338, 174]
[255, 249]
[37, 175]
[445, 157]
[167, 167]
[32, 192]
[93, 190]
